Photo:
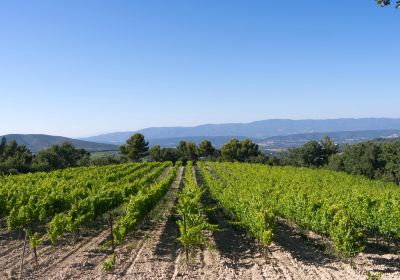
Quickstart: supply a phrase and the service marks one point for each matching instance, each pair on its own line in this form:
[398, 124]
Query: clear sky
[79, 68]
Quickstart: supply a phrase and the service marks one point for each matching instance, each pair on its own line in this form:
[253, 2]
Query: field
[204, 221]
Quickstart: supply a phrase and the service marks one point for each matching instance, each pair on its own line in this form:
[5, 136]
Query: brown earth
[153, 252]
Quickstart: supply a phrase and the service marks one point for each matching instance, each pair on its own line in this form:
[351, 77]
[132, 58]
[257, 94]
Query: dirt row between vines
[66, 260]
[153, 252]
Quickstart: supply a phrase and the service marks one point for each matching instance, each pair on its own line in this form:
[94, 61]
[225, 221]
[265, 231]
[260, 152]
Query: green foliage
[59, 157]
[192, 223]
[138, 206]
[244, 203]
[370, 159]
[104, 199]
[68, 199]
[109, 263]
[136, 148]
[311, 154]
[187, 151]
[163, 154]
[35, 240]
[206, 149]
[371, 276]
[103, 159]
[155, 153]
[363, 158]
[14, 158]
[337, 205]
[375, 160]
[243, 151]
[390, 156]
[346, 234]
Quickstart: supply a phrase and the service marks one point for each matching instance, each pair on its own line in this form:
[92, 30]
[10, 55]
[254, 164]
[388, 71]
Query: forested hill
[37, 142]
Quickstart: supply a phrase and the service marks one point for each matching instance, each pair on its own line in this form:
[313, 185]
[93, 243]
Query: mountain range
[255, 130]
[269, 134]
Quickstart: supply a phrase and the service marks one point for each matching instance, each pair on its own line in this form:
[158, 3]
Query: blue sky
[79, 68]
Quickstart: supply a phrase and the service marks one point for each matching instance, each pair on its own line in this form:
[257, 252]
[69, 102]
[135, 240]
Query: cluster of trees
[371, 159]
[242, 151]
[15, 158]
[59, 157]
[137, 149]
[311, 154]
[375, 160]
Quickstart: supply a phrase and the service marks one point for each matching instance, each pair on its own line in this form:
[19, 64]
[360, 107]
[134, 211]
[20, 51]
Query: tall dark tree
[312, 154]
[230, 150]
[248, 151]
[243, 151]
[206, 149]
[192, 151]
[391, 158]
[136, 148]
[169, 154]
[363, 159]
[155, 153]
[14, 158]
[3, 145]
[329, 148]
[187, 151]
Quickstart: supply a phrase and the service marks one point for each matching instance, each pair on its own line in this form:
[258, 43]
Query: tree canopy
[243, 151]
[136, 148]
[14, 158]
[60, 156]
[206, 149]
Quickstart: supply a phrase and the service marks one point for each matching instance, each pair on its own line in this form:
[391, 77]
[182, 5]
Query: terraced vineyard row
[348, 209]
[46, 206]
[158, 221]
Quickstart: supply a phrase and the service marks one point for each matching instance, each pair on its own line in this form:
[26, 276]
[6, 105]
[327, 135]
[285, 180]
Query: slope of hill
[36, 142]
[339, 137]
[256, 130]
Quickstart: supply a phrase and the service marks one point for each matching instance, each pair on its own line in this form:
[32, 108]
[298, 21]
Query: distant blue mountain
[255, 130]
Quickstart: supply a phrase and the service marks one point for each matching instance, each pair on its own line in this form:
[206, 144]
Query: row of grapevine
[136, 209]
[138, 206]
[65, 200]
[243, 203]
[192, 223]
[343, 207]
[58, 184]
[103, 200]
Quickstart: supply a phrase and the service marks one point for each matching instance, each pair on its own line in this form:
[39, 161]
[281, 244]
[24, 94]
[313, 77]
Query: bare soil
[153, 252]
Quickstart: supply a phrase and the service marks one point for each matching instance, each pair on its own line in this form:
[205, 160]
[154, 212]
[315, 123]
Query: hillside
[339, 137]
[255, 130]
[37, 142]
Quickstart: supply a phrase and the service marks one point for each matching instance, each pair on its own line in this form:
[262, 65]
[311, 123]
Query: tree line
[137, 149]
[372, 159]
[375, 160]
[16, 158]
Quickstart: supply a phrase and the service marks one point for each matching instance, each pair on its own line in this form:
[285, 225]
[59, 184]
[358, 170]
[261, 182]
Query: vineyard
[204, 221]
